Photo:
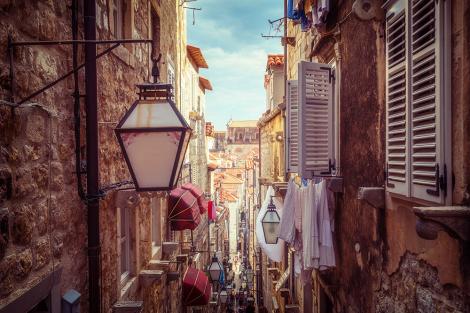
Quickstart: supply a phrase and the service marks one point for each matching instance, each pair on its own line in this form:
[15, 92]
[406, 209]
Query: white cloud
[228, 32]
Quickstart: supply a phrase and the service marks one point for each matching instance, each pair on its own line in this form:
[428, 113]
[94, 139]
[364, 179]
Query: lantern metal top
[155, 90]
[271, 206]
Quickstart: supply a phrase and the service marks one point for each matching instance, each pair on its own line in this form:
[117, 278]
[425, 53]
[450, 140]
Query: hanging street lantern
[154, 136]
[249, 275]
[270, 224]
[215, 269]
[223, 296]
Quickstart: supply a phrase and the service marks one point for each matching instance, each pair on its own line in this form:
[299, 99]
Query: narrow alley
[219, 156]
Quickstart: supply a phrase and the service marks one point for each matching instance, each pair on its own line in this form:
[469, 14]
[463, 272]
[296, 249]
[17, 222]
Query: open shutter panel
[316, 155]
[426, 160]
[292, 147]
[396, 101]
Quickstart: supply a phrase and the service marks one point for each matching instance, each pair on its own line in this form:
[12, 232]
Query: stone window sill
[156, 252]
[129, 287]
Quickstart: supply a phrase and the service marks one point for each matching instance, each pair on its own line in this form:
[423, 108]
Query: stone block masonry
[46, 221]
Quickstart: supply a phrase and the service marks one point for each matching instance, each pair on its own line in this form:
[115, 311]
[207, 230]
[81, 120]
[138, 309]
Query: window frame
[124, 222]
[156, 225]
[442, 106]
[118, 18]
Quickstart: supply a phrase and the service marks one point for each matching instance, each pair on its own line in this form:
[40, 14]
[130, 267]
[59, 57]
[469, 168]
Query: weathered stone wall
[361, 160]
[118, 73]
[46, 219]
[272, 150]
[416, 287]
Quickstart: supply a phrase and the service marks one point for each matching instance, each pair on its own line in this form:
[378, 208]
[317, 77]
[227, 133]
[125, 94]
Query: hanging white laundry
[272, 251]
[298, 207]
[310, 238]
[287, 227]
[297, 263]
[327, 252]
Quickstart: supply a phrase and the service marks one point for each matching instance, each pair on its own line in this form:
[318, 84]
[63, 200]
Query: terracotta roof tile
[275, 59]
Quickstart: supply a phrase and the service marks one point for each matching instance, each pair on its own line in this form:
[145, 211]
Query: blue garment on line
[292, 13]
[222, 278]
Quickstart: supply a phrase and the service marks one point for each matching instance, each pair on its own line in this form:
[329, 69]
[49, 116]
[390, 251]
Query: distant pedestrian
[250, 308]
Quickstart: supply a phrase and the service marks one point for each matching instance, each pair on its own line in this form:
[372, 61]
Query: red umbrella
[196, 287]
[199, 194]
[183, 210]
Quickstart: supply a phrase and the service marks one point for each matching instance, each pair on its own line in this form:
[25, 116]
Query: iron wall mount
[375, 196]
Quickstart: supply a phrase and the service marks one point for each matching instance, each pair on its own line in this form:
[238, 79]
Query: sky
[229, 35]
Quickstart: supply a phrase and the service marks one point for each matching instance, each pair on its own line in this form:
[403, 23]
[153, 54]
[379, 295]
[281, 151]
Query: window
[292, 127]
[417, 99]
[118, 18]
[156, 224]
[124, 242]
[310, 101]
[171, 74]
[156, 36]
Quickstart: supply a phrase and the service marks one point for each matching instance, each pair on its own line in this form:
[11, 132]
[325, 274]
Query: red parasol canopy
[196, 287]
[183, 210]
[199, 194]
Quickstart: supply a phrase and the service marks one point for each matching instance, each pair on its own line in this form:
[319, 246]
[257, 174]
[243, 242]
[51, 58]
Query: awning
[211, 211]
[196, 54]
[196, 288]
[199, 195]
[205, 83]
[183, 210]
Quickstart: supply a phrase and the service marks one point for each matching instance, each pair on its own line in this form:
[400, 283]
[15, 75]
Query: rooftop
[275, 59]
[246, 123]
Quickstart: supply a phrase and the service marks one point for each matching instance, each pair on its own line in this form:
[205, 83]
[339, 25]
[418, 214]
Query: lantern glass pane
[223, 296]
[154, 113]
[270, 224]
[187, 136]
[152, 156]
[215, 270]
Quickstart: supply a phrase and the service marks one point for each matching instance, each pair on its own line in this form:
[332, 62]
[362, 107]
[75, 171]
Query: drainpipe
[92, 158]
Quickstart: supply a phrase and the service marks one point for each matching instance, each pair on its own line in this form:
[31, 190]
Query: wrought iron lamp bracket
[11, 45]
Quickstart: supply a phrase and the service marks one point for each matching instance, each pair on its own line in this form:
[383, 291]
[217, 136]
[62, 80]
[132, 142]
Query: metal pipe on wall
[92, 158]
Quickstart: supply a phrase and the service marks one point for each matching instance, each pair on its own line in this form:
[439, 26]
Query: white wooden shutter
[316, 148]
[426, 103]
[397, 101]
[292, 127]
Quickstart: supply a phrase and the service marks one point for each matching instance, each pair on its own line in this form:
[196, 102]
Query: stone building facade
[43, 247]
[220, 140]
[384, 264]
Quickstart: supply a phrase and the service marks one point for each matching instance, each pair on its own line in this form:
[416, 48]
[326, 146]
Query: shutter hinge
[331, 74]
[435, 192]
[441, 182]
[331, 168]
